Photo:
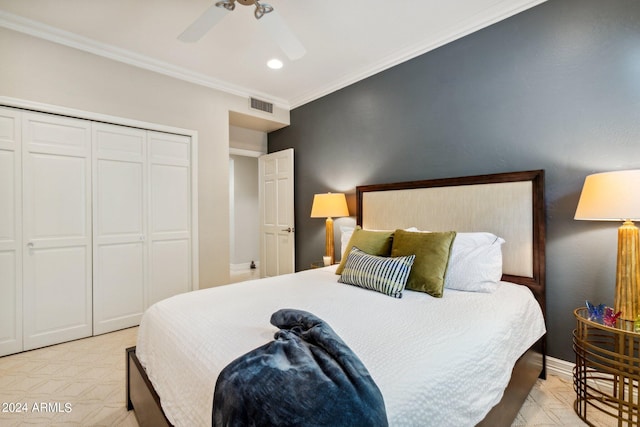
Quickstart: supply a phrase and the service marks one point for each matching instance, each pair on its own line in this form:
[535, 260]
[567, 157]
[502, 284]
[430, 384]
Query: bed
[483, 353]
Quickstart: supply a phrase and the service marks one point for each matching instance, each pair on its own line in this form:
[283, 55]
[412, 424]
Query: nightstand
[607, 371]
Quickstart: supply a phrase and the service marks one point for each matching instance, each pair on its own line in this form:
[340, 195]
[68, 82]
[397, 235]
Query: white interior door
[56, 229]
[119, 218]
[170, 215]
[277, 229]
[10, 232]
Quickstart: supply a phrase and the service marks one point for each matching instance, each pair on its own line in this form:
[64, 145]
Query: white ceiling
[345, 41]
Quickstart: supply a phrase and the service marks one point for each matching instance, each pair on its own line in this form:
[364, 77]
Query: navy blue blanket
[307, 376]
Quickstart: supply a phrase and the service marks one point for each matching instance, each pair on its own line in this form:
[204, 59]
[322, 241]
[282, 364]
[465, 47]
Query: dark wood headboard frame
[535, 283]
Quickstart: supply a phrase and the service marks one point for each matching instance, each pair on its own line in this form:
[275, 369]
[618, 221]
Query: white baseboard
[563, 369]
[560, 368]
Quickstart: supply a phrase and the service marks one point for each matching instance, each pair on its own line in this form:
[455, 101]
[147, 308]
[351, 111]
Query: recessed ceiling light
[274, 64]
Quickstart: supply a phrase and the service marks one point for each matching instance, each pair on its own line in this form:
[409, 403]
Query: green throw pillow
[371, 242]
[432, 256]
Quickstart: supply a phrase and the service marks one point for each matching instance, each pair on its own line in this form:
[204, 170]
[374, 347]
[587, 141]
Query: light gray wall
[556, 87]
[247, 139]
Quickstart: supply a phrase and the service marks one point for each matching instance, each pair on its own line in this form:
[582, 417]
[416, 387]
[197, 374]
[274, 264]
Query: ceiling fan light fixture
[227, 4]
[261, 9]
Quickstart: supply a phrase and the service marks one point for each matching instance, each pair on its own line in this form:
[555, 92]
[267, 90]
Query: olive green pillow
[372, 242]
[432, 256]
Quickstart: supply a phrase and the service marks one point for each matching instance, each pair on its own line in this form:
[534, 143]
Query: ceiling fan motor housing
[275, 26]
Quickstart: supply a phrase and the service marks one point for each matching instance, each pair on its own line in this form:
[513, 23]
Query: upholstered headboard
[509, 205]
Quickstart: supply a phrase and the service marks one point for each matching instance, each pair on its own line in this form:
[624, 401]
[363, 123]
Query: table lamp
[613, 196]
[329, 205]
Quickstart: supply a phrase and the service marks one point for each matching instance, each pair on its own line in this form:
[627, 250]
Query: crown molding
[499, 12]
[66, 38]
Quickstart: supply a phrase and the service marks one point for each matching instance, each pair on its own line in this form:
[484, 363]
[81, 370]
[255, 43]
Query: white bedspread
[437, 361]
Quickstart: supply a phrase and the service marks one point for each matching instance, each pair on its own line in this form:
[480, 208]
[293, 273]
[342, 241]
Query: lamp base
[329, 250]
[627, 298]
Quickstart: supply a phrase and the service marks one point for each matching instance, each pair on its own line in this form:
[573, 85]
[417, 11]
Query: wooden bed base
[142, 397]
[526, 372]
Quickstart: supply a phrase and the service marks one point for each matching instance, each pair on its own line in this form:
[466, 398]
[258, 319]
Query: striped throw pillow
[382, 274]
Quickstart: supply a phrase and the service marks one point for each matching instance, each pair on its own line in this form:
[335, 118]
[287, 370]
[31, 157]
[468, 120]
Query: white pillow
[344, 238]
[475, 263]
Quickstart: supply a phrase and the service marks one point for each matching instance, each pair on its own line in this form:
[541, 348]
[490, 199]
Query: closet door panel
[57, 197]
[170, 269]
[119, 296]
[170, 197]
[57, 135]
[59, 294]
[170, 215]
[57, 229]
[169, 148]
[10, 312]
[120, 211]
[119, 199]
[10, 233]
[8, 193]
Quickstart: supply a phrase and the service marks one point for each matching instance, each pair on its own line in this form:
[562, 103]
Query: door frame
[239, 152]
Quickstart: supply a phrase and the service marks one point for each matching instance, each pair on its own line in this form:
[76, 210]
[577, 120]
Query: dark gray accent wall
[556, 87]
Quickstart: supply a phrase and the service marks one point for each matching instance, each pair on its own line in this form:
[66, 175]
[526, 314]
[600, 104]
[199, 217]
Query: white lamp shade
[610, 196]
[329, 205]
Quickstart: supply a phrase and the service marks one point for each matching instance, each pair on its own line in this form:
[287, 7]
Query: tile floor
[78, 383]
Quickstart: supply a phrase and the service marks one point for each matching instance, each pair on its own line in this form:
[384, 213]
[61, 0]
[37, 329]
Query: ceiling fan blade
[282, 35]
[203, 24]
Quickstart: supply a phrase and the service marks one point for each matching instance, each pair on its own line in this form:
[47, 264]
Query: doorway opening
[245, 146]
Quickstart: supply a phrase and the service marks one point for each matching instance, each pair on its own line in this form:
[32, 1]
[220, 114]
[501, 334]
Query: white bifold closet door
[57, 253]
[170, 228]
[96, 225]
[10, 232]
[119, 232]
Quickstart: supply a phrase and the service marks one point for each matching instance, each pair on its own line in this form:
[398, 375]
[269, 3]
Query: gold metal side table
[607, 371]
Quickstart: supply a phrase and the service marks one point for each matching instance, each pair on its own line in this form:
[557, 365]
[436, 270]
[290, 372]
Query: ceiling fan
[269, 18]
